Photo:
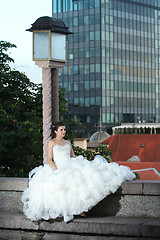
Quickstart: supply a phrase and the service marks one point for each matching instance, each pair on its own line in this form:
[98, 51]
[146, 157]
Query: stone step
[133, 199]
[14, 225]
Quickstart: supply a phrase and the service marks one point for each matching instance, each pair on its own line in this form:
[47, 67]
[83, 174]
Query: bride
[69, 185]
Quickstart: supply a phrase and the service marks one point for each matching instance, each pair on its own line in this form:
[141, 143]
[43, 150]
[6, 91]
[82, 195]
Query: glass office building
[112, 73]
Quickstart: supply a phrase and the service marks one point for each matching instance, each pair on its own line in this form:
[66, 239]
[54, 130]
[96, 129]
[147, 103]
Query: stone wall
[136, 198]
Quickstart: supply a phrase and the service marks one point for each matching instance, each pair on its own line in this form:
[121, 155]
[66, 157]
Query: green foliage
[20, 119]
[137, 175]
[4, 57]
[104, 151]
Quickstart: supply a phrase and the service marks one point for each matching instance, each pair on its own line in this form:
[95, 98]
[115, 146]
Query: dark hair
[55, 127]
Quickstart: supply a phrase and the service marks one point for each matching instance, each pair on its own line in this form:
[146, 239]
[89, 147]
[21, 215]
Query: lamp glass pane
[58, 46]
[41, 45]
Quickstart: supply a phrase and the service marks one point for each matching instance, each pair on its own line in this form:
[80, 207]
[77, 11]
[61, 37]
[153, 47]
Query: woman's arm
[50, 155]
[72, 154]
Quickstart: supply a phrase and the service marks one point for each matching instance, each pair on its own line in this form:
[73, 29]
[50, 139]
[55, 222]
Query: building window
[91, 4]
[54, 6]
[98, 84]
[81, 19]
[75, 21]
[59, 6]
[97, 67]
[111, 20]
[64, 5]
[81, 35]
[103, 101]
[86, 69]
[70, 22]
[75, 69]
[98, 101]
[91, 52]
[92, 101]
[86, 4]
[86, 85]
[75, 53]
[108, 118]
[97, 19]
[75, 5]
[86, 20]
[81, 102]
[103, 117]
[96, 3]
[92, 19]
[103, 68]
[75, 37]
[97, 35]
[71, 54]
[86, 36]
[97, 51]
[92, 68]
[91, 36]
[111, 36]
[76, 101]
[92, 84]
[87, 101]
[86, 52]
[75, 86]
[88, 119]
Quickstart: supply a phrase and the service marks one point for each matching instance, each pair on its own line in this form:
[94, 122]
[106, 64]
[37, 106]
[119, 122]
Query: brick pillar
[50, 94]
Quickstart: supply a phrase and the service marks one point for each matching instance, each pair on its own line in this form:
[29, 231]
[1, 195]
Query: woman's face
[61, 131]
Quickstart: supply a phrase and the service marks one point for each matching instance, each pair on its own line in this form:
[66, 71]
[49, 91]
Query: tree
[20, 119]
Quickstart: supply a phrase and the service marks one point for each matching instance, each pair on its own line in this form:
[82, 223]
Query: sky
[15, 17]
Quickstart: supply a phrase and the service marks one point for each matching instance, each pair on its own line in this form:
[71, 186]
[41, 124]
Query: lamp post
[49, 53]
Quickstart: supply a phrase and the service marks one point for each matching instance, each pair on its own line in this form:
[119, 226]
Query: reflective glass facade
[113, 67]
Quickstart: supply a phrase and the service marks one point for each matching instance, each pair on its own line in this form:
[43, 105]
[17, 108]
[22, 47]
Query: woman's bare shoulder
[66, 141]
[51, 143]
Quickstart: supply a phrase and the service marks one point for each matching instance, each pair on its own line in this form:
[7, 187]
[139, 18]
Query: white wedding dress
[74, 187]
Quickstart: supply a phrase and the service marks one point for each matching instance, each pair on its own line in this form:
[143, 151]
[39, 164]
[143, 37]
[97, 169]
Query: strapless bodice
[61, 154]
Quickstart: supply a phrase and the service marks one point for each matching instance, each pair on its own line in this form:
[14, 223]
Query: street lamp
[49, 39]
[49, 53]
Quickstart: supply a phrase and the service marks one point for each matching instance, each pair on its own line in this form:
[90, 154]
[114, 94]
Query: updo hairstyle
[55, 127]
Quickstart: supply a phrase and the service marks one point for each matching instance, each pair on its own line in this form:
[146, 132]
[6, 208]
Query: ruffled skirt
[72, 189]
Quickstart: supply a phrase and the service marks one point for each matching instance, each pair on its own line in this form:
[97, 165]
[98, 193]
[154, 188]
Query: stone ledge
[112, 226]
[13, 184]
[129, 188]
[151, 188]
[112, 205]
[16, 221]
